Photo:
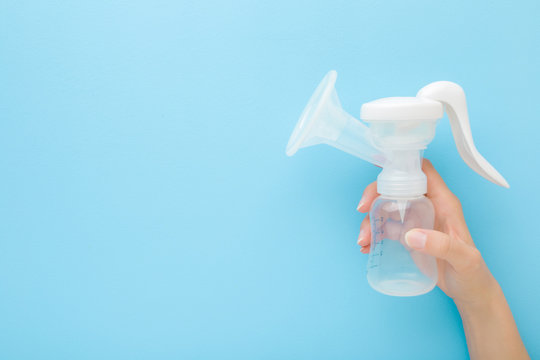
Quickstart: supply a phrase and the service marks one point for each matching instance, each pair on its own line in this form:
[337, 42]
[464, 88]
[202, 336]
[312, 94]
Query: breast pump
[400, 128]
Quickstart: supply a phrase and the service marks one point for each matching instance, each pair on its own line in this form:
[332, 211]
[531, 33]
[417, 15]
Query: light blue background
[148, 210]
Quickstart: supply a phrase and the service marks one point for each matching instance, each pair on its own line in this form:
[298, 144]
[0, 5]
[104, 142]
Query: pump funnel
[324, 121]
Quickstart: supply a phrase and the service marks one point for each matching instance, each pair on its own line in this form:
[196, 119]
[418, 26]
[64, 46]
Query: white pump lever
[453, 97]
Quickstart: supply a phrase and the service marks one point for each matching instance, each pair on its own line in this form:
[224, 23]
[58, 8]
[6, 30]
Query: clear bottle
[393, 267]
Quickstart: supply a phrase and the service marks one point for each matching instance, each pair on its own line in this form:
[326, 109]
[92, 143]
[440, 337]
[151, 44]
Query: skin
[490, 329]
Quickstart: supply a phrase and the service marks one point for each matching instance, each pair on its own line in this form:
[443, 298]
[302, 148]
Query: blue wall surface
[148, 210]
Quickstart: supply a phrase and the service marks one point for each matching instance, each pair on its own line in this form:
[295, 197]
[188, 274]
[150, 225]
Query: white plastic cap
[401, 108]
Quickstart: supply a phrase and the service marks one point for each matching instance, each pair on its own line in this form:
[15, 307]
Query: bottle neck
[402, 175]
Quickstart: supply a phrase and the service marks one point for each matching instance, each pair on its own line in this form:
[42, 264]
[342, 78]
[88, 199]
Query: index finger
[436, 186]
[370, 193]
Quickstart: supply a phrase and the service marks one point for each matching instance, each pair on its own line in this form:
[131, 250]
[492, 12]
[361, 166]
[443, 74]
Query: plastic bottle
[394, 268]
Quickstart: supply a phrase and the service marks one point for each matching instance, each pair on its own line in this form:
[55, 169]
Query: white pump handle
[453, 97]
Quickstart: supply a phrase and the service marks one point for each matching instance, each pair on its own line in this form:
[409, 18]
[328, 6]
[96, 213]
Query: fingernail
[361, 203]
[416, 239]
[361, 236]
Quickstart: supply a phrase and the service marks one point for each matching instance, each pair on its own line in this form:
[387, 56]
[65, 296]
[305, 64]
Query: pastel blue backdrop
[148, 210]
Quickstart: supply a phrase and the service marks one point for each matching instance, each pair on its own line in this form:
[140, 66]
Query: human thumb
[442, 246]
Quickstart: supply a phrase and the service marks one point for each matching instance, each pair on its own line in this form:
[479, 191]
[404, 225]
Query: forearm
[490, 328]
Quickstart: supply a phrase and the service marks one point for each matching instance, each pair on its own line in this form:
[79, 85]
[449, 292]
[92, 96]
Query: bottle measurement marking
[377, 252]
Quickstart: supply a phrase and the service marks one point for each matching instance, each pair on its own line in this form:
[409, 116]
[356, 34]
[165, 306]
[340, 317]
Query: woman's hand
[463, 275]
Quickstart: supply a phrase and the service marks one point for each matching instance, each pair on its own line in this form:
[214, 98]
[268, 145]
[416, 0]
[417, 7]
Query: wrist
[489, 326]
[485, 300]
